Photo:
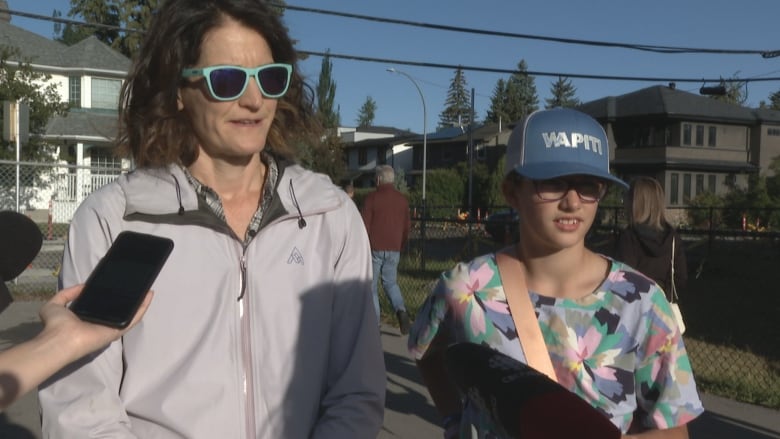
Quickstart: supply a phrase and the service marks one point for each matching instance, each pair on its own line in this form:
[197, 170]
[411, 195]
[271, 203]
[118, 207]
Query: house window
[686, 134]
[674, 189]
[105, 93]
[103, 161]
[381, 155]
[686, 188]
[699, 184]
[711, 181]
[773, 131]
[712, 137]
[74, 91]
[699, 135]
[362, 157]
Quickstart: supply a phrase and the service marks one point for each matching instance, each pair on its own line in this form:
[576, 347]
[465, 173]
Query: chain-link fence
[48, 193]
[730, 305]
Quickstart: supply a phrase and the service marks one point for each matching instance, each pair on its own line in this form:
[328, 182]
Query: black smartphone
[117, 286]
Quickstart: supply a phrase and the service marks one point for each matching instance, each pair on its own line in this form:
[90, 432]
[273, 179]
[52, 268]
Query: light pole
[424, 163]
[425, 131]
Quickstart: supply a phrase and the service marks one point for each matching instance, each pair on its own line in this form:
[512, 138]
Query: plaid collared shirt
[211, 198]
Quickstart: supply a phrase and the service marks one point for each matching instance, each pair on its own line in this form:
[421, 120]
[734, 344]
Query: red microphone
[20, 242]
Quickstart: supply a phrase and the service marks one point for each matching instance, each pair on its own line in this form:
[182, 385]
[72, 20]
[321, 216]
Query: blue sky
[712, 24]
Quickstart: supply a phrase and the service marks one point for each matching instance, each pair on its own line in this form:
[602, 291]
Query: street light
[424, 165]
[425, 131]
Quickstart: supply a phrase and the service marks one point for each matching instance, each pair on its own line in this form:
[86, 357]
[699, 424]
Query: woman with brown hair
[263, 323]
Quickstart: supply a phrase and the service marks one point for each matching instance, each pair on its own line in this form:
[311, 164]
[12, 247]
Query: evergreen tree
[563, 94]
[366, 113]
[521, 93]
[498, 104]
[774, 100]
[326, 95]
[457, 106]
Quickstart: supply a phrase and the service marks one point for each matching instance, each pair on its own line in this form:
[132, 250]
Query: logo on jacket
[295, 257]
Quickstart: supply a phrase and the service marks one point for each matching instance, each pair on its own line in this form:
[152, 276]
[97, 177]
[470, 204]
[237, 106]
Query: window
[773, 131]
[74, 91]
[699, 184]
[105, 93]
[699, 135]
[674, 189]
[712, 137]
[686, 188]
[381, 155]
[104, 162]
[711, 181]
[362, 157]
[686, 134]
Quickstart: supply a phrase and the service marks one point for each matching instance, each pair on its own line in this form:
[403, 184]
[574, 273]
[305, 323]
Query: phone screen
[117, 286]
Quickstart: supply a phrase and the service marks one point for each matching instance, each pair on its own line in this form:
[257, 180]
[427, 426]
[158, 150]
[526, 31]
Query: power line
[533, 73]
[644, 47]
[454, 66]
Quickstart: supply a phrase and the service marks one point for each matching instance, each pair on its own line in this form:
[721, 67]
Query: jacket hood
[166, 194]
[655, 242]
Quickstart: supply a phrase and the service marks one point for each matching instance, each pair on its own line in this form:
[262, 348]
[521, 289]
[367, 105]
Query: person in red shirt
[386, 215]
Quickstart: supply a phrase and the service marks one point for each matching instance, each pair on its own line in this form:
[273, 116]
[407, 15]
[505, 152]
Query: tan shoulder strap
[520, 307]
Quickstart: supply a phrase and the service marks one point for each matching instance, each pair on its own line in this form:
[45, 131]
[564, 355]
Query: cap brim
[546, 171]
[523, 402]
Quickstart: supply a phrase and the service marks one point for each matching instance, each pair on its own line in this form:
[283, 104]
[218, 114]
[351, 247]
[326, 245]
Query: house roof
[89, 53]
[661, 100]
[83, 125]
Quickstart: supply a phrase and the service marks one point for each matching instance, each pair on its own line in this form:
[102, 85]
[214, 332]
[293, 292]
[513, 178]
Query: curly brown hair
[153, 132]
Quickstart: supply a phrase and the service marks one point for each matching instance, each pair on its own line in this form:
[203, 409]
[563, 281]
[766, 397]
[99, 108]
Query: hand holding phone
[117, 286]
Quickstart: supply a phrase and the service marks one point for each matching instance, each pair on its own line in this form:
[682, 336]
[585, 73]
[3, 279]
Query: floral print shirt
[618, 348]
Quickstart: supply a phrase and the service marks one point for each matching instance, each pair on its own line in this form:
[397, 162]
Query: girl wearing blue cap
[609, 331]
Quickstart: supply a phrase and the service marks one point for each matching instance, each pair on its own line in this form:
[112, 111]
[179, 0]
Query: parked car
[502, 226]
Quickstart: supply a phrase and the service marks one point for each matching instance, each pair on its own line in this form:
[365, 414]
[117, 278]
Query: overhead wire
[644, 47]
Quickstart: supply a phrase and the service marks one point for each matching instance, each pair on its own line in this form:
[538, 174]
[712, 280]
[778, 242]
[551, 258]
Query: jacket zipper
[246, 354]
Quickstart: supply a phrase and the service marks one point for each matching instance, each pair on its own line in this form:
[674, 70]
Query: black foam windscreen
[523, 402]
[20, 242]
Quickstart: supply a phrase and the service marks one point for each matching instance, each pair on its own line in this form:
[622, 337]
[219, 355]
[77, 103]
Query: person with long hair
[646, 243]
[263, 323]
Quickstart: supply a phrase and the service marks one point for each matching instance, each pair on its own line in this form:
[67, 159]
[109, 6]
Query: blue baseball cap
[559, 142]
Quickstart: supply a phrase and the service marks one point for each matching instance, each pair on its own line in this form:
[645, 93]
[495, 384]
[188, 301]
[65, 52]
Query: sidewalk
[409, 414]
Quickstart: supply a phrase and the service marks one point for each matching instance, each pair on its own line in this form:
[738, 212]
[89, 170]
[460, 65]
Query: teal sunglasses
[227, 83]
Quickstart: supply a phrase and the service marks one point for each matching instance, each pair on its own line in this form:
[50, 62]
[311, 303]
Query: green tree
[498, 110]
[326, 157]
[366, 113]
[521, 93]
[774, 100]
[326, 95]
[457, 106]
[736, 93]
[19, 81]
[563, 94]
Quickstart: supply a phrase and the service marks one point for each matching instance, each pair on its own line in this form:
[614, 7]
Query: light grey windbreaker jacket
[298, 356]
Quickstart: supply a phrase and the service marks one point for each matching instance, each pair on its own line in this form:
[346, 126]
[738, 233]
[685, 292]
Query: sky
[708, 24]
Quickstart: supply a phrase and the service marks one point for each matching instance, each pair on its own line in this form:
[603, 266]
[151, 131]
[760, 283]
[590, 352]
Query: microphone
[20, 242]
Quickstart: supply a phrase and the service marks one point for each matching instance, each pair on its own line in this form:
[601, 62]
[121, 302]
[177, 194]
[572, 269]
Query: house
[87, 75]
[692, 144]
[366, 147]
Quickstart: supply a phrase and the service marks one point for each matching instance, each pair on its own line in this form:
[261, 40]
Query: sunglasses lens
[273, 80]
[227, 83]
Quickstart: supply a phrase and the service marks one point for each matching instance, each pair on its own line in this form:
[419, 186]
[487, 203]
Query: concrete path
[410, 413]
